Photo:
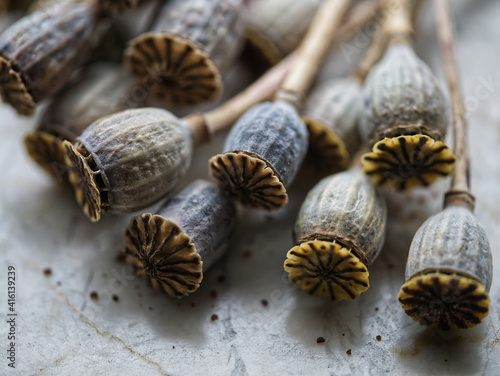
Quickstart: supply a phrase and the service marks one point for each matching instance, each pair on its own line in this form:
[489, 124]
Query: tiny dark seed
[264, 302]
[94, 296]
[379, 338]
[349, 352]
[320, 340]
[213, 294]
[120, 257]
[150, 308]
[47, 272]
[214, 317]
[221, 278]
[116, 298]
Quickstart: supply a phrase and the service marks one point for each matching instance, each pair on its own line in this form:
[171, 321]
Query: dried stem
[459, 192]
[222, 117]
[399, 24]
[312, 50]
[372, 55]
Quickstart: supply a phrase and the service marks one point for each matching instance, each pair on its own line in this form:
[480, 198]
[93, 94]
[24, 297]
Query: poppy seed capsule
[404, 117]
[276, 27]
[331, 115]
[339, 232]
[448, 272]
[262, 155]
[189, 45]
[128, 161]
[173, 248]
[100, 90]
[39, 53]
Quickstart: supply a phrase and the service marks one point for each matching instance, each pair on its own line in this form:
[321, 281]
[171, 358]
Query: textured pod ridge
[444, 299]
[344, 207]
[327, 269]
[401, 96]
[249, 178]
[327, 153]
[183, 72]
[405, 162]
[47, 151]
[164, 254]
[14, 91]
[86, 178]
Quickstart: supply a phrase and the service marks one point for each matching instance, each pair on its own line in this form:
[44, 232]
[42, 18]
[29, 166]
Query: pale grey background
[61, 331]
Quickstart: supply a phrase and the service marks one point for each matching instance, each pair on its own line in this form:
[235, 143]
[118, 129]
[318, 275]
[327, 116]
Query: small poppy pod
[331, 115]
[339, 232]
[100, 90]
[276, 27]
[448, 272]
[405, 118]
[262, 155]
[190, 44]
[173, 248]
[39, 53]
[128, 161]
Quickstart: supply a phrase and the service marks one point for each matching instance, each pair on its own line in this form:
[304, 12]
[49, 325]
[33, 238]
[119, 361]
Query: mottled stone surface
[62, 331]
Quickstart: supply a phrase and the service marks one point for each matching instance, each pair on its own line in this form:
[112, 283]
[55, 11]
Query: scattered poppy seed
[320, 340]
[379, 338]
[173, 347]
[221, 278]
[214, 317]
[116, 298]
[150, 308]
[58, 283]
[264, 302]
[47, 272]
[193, 305]
[349, 352]
[376, 309]
[94, 296]
[213, 294]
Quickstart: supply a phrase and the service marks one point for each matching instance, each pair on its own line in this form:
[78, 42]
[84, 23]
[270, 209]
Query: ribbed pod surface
[452, 239]
[401, 91]
[275, 132]
[141, 154]
[345, 207]
[45, 48]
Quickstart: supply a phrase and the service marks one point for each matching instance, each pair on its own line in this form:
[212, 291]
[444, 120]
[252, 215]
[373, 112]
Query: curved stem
[312, 50]
[460, 187]
[399, 23]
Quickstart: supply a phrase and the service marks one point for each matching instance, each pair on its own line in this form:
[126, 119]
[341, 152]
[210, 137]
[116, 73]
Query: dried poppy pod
[173, 248]
[448, 272]
[339, 232]
[276, 27]
[39, 53]
[190, 44]
[331, 115]
[262, 155]
[404, 117]
[128, 161]
[100, 90]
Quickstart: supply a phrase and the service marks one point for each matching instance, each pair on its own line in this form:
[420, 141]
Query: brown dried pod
[190, 44]
[331, 115]
[405, 119]
[173, 248]
[100, 90]
[276, 27]
[128, 161]
[448, 272]
[262, 155]
[339, 232]
[39, 53]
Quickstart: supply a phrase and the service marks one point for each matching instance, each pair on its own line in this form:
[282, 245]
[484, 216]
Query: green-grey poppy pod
[339, 232]
[448, 272]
